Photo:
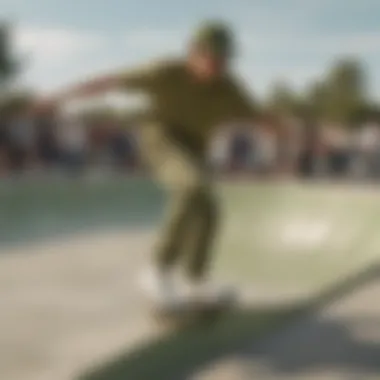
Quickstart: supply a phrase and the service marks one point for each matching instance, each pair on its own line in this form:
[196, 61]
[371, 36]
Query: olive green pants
[192, 215]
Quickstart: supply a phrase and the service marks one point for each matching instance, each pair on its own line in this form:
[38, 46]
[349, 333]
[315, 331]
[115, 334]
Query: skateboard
[192, 312]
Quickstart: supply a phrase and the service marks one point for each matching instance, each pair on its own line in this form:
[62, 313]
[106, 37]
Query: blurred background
[79, 215]
[318, 88]
[329, 130]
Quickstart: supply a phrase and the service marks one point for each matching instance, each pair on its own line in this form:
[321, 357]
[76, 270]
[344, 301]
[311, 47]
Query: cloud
[294, 43]
[150, 42]
[153, 41]
[56, 56]
[49, 52]
[354, 43]
[359, 43]
[300, 59]
[149, 37]
[61, 55]
[53, 44]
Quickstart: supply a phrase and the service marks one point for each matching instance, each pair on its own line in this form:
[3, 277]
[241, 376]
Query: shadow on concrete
[320, 345]
[178, 355]
[347, 345]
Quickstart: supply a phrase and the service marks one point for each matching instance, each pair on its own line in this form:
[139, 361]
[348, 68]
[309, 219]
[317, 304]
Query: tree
[314, 102]
[283, 100]
[16, 101]
[345, 91]
[9, 65]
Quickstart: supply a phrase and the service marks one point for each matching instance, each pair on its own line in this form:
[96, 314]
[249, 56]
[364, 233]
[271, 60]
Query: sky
[293, 40]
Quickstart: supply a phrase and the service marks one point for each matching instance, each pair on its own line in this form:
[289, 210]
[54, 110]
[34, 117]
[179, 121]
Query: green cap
[215, 37]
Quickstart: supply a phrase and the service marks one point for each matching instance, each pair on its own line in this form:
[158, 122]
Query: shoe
[160, 287]
[205, 292]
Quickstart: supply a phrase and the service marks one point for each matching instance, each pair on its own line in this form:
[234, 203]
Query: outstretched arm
[143, 78]
[91, 87]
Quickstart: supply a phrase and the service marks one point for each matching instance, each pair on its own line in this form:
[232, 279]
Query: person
[73, 143]
[189, 97]
[22, 139]
[4, 144]
[47, 145]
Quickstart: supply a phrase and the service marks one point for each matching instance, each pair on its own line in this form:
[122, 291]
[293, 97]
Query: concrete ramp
[341, 340]
[69, 305]
[306, 235]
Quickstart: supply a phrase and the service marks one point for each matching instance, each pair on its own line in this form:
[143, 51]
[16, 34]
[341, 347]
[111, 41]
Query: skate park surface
[305, 256]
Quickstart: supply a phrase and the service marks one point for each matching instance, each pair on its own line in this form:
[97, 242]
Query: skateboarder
[190, 97]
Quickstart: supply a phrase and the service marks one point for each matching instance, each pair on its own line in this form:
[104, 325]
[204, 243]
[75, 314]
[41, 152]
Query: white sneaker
[160, 286]
[209, 293]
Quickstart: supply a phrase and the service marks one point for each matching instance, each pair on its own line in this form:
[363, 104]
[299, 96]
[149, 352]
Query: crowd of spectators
[63, 144]
[304, 149]
[294, 147]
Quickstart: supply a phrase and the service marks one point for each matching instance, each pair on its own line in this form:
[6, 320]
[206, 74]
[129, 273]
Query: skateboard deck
[192, 312]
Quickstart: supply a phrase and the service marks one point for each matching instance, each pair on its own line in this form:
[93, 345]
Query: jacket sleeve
[142, 78]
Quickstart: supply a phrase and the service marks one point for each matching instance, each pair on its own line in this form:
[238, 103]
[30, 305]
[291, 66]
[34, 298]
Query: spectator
[47, 142]
[21, 139]
[289, 145]
[367, 150]
[219, 151]
[4, 144]
[241, 146]
[337, 138]
[266, 148]
[73, 143]
[307, 164]
[123, 148]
